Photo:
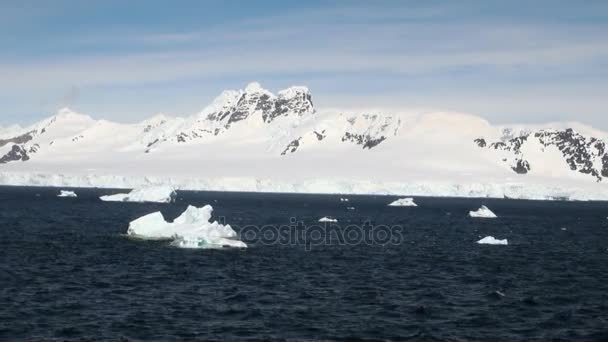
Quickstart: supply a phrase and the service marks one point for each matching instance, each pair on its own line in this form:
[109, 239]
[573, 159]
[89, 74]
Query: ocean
[68, 272]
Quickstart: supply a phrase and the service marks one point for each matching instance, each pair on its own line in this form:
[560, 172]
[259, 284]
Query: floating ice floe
[483, 212]
[158, 194]
[343, 199]
[350, 208]
[490, 240]
[327, 219]
[66, 193]
[191, 229]
[403, 202]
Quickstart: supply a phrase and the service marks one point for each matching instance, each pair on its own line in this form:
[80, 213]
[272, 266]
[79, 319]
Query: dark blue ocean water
[67, 272]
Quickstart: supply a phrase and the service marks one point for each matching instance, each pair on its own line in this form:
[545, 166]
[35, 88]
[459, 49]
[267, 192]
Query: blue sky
[508, 61]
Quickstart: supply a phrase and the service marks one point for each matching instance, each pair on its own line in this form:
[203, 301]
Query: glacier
[253, 140]
[192, 229]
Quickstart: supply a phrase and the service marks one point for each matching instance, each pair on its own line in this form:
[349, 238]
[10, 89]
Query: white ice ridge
[66, 193]
[490, 240]
[157, 194]
[308, 185]
[191, 229]
[327, 219]
[482, 212]
[403, 202]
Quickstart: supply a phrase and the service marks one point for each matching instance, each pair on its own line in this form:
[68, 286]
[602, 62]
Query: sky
[507, 61]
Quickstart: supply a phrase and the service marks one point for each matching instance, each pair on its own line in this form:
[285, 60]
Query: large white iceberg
[403, 202]
[327, 219]
[66, 193]
[158, 194]
[483, 212]
[191, 229]
[490, 240]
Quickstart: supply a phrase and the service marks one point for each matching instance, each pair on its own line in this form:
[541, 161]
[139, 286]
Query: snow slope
[254, 140]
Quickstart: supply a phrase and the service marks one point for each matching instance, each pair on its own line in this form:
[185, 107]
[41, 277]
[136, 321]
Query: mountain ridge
[284, 134]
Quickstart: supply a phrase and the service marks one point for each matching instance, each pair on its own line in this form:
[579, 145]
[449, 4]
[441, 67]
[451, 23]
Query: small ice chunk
[343, 199]
[490, 240]
[350, 208]
[66, 193]
[403, 202]
[327, 219]
[191, 229]
[482, 212]
[157, 194]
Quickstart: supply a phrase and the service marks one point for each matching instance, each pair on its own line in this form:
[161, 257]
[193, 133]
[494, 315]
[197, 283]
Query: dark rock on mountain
[481, 142]
[366, 141]
[296, 100]
[580, 153]
[292, 147]
[576, 149]
[21, 139]
[521, 167]
[15, 154]
[320, 136]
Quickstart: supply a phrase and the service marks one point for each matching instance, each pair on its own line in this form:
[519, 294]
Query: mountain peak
[255, 87]
[294, 90]
[66, 113]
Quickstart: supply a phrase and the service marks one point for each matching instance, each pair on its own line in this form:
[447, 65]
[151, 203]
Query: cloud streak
[360, 46]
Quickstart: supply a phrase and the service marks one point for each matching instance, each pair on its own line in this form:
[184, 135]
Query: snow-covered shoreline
[522, 190]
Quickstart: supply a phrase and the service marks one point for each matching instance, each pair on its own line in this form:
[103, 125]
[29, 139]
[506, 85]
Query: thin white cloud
[369, 41]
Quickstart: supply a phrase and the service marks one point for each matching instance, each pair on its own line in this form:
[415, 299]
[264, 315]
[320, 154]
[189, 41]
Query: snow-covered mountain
[254, 140]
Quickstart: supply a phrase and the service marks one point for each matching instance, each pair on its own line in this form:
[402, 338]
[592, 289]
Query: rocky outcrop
[252, 103]
[21, 139]
[521, 166]
[292, 147]
[587, 155]
[17, 153]
[294, 100]
[578, 151]
[369, 130]
[367, 141]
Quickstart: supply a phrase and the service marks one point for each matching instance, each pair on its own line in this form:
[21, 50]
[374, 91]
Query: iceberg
[483, 212]
[403, 202]
[65, 193]
[157, 194]
[327, 219]
[490, 240]
[192, 229]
